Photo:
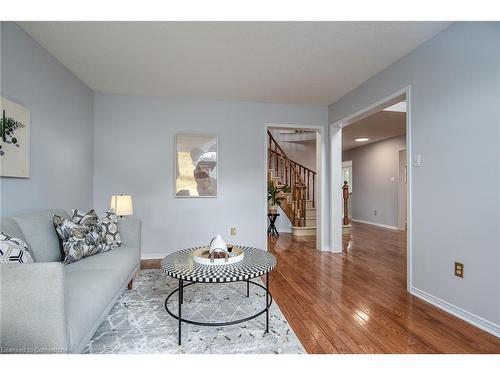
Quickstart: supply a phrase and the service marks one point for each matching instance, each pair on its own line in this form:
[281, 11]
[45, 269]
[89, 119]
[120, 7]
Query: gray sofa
[50, 307]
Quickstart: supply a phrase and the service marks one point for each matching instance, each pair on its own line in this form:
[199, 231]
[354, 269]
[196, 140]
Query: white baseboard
[469, 317]
[331, 250]
[376, 224]
[284, 230]
[152, 256]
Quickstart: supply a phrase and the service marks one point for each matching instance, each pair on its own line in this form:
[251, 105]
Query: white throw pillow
[13, 250]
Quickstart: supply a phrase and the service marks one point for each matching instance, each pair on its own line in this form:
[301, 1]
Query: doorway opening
[369, 164]
[293, 181]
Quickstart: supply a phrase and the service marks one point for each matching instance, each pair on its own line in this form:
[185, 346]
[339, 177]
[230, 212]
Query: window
[347, 174]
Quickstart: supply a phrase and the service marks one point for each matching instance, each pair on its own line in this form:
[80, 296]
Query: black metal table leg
[267, 302]
[248, 288]
[180, 310]
[181, 291]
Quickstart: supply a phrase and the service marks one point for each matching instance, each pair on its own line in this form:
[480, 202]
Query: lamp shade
[121, 205]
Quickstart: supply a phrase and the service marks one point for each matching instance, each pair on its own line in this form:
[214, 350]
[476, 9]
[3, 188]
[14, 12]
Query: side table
[271, 229]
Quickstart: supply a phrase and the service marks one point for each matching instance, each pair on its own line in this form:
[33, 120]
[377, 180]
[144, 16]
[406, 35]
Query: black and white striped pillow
[13, 250]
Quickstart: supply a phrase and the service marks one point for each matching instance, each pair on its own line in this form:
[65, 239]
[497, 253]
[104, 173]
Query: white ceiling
[278, 62]
[377, 127]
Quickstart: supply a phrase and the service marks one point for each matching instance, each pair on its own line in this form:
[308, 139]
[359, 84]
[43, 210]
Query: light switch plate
[417, 160]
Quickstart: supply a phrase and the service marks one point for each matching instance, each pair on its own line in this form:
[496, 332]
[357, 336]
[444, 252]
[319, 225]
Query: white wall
[61, 127]
[134, 140]
[302, 152]
[373, 166]
[283, 224]
[455, 119]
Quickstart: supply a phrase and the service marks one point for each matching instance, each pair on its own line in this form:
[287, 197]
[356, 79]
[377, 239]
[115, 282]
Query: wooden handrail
[298, 177]
[285, 155]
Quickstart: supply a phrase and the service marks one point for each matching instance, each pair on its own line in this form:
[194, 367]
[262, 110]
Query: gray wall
[373, 166]
[61, 127]
[134, 140]
[455, 119]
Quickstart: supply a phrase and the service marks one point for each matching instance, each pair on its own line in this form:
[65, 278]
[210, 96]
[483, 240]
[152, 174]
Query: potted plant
[274, 200]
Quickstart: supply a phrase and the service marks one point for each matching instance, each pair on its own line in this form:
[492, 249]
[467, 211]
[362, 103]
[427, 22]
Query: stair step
[310, 222]
[304, 231]
[310, 213]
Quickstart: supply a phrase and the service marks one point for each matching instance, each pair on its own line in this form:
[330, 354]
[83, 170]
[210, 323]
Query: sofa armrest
[130, 232]
[32, 314]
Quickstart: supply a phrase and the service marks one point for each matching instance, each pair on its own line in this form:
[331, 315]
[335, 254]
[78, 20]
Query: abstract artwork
[14, 139]
[196, 166]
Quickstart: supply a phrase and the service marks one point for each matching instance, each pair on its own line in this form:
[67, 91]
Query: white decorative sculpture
[218, 244]
[218, 252]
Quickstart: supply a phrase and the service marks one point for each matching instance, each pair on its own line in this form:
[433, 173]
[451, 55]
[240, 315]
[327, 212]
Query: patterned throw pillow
[79, 241]
[108, 224]
[89, 219]
[13, 250]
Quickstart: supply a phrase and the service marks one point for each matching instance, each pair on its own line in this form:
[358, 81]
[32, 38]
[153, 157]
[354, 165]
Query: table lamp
[121, 205]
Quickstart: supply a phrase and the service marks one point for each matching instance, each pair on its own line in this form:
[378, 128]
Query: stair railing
[299, 178]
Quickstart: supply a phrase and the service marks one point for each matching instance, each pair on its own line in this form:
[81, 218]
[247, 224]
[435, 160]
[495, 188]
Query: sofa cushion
[13, 250]
[87, 296]
[124, 260]
[8, 225]
[39, 234]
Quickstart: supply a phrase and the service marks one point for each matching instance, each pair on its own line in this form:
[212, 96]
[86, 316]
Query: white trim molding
[152, 256]
[322, 234]
[376, 224]
[336, 168]
[469, 317]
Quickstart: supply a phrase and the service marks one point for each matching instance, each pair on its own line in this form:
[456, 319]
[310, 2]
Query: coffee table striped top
[180, 265]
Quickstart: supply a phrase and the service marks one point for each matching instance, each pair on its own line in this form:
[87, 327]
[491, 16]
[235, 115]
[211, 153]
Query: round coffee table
[180, 265]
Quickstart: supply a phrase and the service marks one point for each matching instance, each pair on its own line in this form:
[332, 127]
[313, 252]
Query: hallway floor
[356, 301]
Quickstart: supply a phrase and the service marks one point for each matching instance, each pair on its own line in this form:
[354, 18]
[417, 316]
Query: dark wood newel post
[345, 194]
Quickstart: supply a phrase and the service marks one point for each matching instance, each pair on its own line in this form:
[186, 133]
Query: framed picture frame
[196, 166]
[14, 139]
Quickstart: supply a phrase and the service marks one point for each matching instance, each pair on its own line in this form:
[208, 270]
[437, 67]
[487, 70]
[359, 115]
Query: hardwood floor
[356, 301]
[150, 264]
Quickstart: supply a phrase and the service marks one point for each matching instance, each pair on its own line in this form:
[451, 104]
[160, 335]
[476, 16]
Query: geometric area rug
[138, 323]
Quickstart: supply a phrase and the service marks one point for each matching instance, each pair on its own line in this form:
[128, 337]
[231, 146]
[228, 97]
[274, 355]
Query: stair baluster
[300, 179]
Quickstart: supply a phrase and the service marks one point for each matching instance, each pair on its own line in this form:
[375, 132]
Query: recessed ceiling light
[362, 139]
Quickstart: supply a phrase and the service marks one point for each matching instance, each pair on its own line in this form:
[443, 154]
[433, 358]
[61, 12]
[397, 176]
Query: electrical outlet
[233, 231]
[459, 269]
[375, 212]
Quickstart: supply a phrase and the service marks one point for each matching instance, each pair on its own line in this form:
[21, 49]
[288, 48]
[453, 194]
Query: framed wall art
[14, 139]
[196, 166]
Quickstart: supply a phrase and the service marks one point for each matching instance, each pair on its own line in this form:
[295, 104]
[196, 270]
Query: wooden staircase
[299, 203]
